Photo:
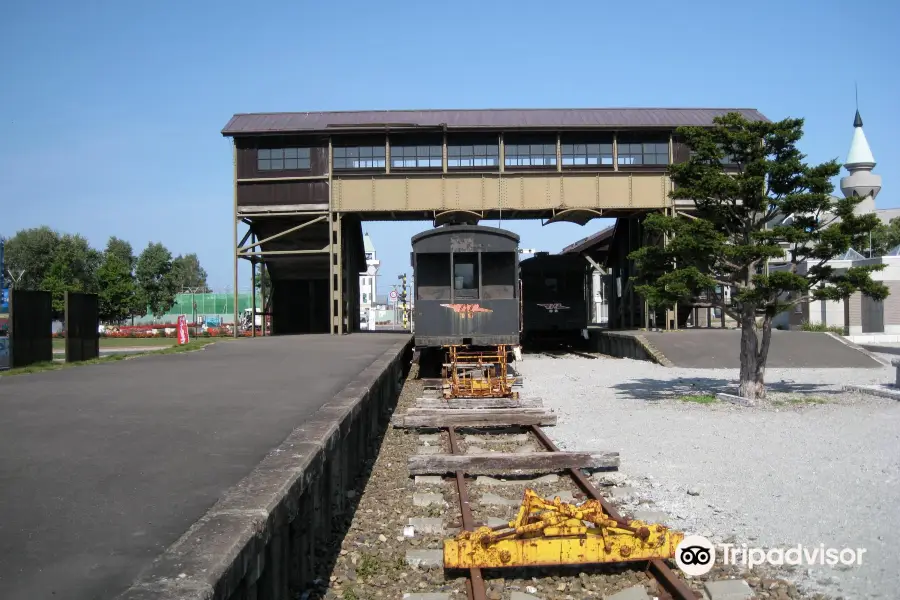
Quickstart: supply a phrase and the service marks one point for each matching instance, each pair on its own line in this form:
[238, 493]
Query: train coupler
[548, 533]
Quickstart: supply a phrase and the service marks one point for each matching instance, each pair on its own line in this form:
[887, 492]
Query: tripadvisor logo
[695, 555]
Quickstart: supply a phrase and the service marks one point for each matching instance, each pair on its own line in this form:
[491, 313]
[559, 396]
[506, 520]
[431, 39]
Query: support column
[262, 296]
[335, 272]
[336, 282]
[235, 219]
[253, 296]
[347, 253]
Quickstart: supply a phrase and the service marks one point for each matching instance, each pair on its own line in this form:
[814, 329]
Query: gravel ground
[371, 560]
[811, 465]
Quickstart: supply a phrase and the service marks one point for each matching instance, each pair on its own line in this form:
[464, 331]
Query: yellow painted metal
[477, 373]
[546, 533]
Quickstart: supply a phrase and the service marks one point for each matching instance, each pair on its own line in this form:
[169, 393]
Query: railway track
[506, 423]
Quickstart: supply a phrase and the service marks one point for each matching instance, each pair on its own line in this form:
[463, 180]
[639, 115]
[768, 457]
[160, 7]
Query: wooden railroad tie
[481, 464]
[478, 417]
[435, 402]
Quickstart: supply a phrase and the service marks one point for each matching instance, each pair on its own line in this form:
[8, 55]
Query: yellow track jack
[547, 533]
[477, 374]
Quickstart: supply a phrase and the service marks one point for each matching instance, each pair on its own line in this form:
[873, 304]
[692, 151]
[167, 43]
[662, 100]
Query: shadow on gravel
[656, 389]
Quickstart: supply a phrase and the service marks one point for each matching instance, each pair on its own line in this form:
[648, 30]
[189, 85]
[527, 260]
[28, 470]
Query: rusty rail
[475, 587]
[666, 577]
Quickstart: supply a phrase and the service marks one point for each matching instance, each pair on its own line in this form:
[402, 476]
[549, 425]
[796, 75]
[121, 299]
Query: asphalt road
[718, 349]
[104, 466]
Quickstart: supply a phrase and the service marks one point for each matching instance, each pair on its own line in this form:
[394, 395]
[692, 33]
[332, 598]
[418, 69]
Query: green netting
[208, 306]
[211, 304]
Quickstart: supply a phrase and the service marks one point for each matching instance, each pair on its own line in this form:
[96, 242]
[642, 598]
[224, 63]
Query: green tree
[116, 288]
[137, 301]
[885, 237]
[73, 268]
[153, 271]
[123, 250]
[188, 274]
[31, 251]
[263, 281]
[745, 178]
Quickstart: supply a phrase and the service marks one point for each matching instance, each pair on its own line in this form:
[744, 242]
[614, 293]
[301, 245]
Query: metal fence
[214, 308]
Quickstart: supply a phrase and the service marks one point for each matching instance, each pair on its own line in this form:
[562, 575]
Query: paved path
[718, 349]
[104, 466]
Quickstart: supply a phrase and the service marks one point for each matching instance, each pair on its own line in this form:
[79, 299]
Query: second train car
[556, 297]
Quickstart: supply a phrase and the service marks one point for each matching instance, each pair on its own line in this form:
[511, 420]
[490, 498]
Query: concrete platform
[720, 349]
[103, 467]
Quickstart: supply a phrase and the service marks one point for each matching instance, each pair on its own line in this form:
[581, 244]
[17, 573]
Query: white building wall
[368, 286]
[866, 316]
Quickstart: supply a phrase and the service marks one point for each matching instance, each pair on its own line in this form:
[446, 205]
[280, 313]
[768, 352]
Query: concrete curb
[858, 348]
[654, 353]
[259, 539]
[636, 347]
[874, 390]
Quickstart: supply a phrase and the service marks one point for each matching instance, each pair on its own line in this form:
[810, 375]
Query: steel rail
[475, 587]
[666, 577]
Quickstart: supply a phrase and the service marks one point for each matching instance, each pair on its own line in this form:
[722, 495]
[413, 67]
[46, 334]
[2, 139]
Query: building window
[643, 154]
[473, 155]
[578, 155]
[282, 159]
[359, 157]
[530, 155]
[416, 157]
[728, 159]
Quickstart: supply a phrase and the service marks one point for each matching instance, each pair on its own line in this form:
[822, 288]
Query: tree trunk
[752, 386]
[762, 356]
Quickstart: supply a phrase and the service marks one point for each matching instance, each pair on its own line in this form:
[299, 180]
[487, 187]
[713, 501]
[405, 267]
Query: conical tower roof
[861, 182]
[860, 154]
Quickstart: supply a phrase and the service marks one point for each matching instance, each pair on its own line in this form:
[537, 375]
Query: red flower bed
[142, 333]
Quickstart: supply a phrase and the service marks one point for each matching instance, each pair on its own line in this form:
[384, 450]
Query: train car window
[498, 273]
[465, 275]
[432, 276]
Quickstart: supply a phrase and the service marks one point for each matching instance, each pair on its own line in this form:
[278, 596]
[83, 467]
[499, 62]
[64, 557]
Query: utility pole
[402, 299]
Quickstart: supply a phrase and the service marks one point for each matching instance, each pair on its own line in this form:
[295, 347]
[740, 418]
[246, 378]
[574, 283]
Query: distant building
[368, 280]
[858, 314]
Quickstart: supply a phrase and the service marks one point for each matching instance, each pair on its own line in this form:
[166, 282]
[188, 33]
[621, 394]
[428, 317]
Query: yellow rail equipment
[547, 533]
[477, 374]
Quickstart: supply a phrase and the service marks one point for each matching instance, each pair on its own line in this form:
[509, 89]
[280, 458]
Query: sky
[111, 112]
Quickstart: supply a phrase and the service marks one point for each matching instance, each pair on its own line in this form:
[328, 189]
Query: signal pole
[402, 299]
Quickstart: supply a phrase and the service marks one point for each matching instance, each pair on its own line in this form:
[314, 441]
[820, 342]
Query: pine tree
[756, 201]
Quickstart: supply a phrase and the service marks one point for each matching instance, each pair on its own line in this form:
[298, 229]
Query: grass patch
[56, 366]
[700, 398]
[60, 344]
[799, 401]
[821, 328]
[371, 565]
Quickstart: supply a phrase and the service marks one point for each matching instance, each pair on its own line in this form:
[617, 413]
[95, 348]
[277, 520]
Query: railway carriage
[556, 296]
[466, 286]
[467, 309]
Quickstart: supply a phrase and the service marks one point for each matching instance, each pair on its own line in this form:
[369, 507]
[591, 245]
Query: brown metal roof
[587, 243]
[556, 118]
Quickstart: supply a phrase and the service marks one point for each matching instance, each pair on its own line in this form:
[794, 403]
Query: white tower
[861, 182]
[368, 287]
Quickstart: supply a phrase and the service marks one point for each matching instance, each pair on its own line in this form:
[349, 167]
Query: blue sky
[111, 111]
